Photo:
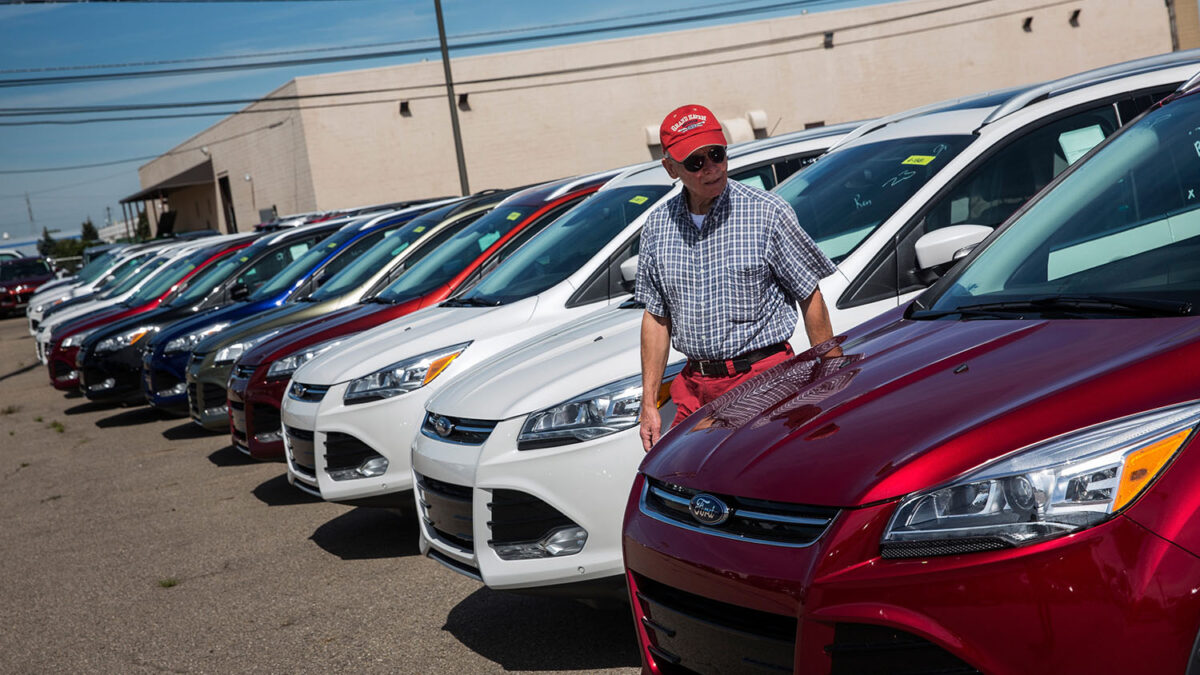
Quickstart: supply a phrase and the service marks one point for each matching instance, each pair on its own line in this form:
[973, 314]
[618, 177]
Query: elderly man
[721, 269]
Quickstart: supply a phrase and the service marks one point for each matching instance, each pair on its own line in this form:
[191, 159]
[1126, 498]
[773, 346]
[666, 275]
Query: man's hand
[651, 426]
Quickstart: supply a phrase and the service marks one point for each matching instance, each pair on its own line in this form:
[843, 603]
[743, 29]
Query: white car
[375, 385]
[537, 499]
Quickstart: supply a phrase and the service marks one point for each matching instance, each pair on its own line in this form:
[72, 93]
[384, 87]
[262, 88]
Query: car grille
[864, 649]
[343, 451]
[518, 518]
[301, 443]
[446, 510]
[460, 429]
[308, 392]
[243, 372]
[693, 634]
[205, 397]
[265, 419]
[757, 520]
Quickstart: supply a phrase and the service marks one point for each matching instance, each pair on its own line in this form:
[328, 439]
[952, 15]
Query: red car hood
[347, 321]
[914, 404]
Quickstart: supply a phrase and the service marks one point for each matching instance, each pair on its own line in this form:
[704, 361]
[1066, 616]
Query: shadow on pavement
[365, 532]
[19, 371]
[91, 406]
[189, 429]
[140, 415]
[521, 632]
[278, 492]
[231, 456]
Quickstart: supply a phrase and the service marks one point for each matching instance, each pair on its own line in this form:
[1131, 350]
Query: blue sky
[57, 36]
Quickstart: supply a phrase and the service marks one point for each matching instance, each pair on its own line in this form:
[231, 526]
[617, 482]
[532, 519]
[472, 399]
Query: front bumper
[206, 396]
[254, 414]
[383, 428]
[60, 363]
[578, 485]
[705, 602]
[164, 381]
[111, 376]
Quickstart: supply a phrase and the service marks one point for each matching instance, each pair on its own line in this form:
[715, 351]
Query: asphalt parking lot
[139, 543]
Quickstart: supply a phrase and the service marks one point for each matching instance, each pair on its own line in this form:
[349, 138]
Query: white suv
[376, 384]
[537, 500]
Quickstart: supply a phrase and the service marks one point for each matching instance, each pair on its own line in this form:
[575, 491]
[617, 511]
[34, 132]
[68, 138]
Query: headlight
[184, 343]
[230, 353]
[76, 339]
[403, 377]
[1061, 486]
[600, 412]
[125, 339]
[288, 364]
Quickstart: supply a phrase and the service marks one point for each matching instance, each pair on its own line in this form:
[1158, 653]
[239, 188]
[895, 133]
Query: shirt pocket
[747, 287]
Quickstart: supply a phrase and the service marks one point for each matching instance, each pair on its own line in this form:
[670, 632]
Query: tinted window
[842, 198]
[19, 269]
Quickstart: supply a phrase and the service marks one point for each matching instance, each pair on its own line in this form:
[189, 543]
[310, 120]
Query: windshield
[566, 244]
[118, 274]
[456, 254]
[98, 266]
[365, 266]
[163, 281]
[299, 268]
[1120, 233]
[19, 269]
[130, 281]
[844, 196]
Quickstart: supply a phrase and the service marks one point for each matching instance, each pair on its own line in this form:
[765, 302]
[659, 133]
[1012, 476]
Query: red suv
[19, 278]
[998, 478]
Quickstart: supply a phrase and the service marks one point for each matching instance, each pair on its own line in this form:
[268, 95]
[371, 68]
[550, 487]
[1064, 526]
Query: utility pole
[458, 147]
[1174, 25]
[29, 206]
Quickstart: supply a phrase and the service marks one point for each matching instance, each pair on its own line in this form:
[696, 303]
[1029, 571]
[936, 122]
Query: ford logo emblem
[299, 390]
[442, 426]
[708, 509]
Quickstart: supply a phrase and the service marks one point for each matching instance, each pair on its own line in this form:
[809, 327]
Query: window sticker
[919, 160]
[419, 229]
[639, 200]
[755, 180]
[333, 244]
[1076, 143]
[398, 249]
[244, 258]
[296, 250]
[514, 215]
[488, 239]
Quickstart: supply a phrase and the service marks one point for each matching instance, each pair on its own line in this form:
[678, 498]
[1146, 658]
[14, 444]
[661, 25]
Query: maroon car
[19, 278]
[999, 478]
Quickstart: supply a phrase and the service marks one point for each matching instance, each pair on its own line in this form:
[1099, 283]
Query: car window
[19, 269]
[273, 263]
[1125, 225]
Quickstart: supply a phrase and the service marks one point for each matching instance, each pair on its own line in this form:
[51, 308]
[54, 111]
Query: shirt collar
[719, 205]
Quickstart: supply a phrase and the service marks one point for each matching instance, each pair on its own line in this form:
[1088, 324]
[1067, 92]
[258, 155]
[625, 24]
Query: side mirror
[240, 291]
[629, 273]
[948, 244]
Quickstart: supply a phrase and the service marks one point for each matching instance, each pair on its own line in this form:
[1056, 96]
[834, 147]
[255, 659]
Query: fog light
[213, 412]
[108, 383]
[376, 466]
[563, 541]
[269, 436]
[178, 389]
[71, 375]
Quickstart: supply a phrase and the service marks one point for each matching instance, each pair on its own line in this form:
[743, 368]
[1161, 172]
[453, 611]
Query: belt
[740, 364]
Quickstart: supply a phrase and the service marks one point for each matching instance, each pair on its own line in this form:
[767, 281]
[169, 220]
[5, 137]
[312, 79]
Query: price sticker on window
[514, 215]
[419, 229]
[639, 200]
[919, 160]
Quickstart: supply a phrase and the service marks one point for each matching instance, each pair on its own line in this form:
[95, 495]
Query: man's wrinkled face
[701, 173]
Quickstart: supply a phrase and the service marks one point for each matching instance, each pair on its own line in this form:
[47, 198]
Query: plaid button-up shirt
[731, 285]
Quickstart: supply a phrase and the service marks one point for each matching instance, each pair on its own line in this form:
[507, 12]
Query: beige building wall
[595, 106]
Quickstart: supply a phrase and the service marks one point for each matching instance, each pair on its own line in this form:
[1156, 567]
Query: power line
[372, 45]
[481, 44]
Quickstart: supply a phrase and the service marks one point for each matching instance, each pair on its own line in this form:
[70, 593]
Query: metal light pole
[458, 147]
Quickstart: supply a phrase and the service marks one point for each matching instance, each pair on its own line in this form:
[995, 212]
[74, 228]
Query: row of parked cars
[993, 476]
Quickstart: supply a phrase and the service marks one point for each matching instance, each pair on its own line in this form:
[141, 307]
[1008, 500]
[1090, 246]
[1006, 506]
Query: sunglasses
[695, 162]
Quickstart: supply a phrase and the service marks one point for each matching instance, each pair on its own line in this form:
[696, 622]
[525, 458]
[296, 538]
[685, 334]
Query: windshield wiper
[1077, 304]
[470, 302]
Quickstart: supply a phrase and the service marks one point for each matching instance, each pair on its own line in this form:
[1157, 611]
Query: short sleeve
[648, 287]
[794, 257]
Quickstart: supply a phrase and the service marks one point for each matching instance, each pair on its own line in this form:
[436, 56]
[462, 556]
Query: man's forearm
[656, 345]
[816, 321]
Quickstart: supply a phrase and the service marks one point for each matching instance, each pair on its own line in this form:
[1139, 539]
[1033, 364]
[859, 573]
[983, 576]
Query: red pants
[691, 390]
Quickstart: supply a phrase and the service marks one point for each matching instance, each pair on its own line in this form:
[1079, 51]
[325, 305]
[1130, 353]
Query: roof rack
[1092, 77]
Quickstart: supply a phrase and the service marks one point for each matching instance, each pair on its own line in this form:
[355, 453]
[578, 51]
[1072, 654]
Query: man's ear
[670, 167]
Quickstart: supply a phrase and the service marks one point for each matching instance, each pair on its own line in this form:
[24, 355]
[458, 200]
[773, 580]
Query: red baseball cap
[687, 128]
